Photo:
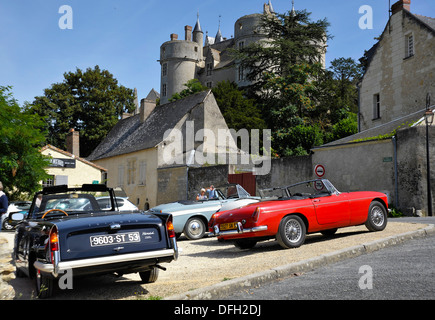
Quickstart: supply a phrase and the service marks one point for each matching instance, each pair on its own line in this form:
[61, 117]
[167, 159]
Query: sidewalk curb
[223, 289]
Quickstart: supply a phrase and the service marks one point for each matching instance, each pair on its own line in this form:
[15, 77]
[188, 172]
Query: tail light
[53, 242]
[256, 214]
[170, 228]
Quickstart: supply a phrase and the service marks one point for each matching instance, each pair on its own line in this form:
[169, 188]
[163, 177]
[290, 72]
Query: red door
[333, 209]
[246, 180]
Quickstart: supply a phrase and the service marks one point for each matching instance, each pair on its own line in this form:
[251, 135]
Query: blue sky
[124, 36]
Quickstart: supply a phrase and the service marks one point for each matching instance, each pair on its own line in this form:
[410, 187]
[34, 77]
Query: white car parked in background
[122, 203]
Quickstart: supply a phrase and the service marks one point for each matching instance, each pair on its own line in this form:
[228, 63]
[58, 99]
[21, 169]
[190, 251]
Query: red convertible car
[289, 213]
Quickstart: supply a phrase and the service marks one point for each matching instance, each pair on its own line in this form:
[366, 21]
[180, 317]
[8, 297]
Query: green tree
[192, 86]
[283, 74]
[337, 99]
[90, 102]
[239, 112]
[21, 136]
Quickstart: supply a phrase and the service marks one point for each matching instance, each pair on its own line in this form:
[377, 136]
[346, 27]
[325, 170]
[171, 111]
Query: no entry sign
[319, 170]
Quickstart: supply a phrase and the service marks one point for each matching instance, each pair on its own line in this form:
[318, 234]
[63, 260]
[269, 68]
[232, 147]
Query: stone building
[135, 152]
[208, 59]
[400, 70]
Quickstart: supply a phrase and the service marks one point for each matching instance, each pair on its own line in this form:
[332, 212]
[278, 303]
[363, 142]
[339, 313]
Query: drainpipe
[396, 184]
[358, 85]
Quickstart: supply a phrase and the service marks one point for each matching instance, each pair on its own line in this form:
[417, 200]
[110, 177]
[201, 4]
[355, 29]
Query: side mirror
[17, 216]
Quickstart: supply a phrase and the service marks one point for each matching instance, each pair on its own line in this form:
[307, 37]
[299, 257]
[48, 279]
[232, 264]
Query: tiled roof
[131, 135]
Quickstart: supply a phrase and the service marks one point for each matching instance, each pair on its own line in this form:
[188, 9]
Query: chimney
[400, 5]
[73, 142]
[174, 36]
[188, 33]
[146, 107]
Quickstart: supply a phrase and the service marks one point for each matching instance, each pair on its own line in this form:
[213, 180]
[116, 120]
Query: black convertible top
[85, 187]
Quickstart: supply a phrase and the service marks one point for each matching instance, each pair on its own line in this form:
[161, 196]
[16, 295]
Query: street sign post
[319, 170]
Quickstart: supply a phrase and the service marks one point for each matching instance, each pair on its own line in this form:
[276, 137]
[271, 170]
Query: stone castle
[207, 59]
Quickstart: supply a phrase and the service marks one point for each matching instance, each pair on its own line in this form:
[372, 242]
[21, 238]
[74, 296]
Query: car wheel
[44, 285]
[149, 276]
[6, 225]
[377, 217]
[291, 232]
[194, 229]
[245, 243]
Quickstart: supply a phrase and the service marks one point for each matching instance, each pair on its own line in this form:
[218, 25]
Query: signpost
[319, 170]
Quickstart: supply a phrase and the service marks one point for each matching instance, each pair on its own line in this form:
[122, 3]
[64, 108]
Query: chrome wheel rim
[293, 231]
[195, 228]
[377, 216]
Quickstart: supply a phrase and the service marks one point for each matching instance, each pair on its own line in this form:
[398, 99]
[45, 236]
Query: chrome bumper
[239, 230]
[61, 266]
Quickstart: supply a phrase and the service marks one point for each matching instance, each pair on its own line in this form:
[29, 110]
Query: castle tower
[246, 32]
[178, 59]
[198, 37]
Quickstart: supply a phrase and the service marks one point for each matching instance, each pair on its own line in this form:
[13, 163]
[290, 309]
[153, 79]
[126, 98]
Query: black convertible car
[66, 230]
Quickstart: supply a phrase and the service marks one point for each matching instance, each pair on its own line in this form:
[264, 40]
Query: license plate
[228, 226]
[119, 238]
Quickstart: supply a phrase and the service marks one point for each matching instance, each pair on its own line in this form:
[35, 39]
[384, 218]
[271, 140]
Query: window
[142, 173]
[120, 176]
[164, 91]
[131, 171]
[241, 45]
[49, 182]
[409, 45]
[241, 73]
[209, 85]
[165, 70]
[61, 180]
[376, 107]
[209, 69]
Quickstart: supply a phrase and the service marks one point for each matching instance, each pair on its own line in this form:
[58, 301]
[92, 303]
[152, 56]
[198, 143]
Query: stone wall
[412, 169]
[362, 166]
[7, 271]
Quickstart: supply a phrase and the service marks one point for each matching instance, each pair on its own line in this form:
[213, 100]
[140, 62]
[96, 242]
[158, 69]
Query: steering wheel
[43, 216]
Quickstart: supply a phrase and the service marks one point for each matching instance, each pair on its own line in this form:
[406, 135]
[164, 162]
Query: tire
[149, 276]
[194, 228]
[291, 232]
[44, 285]
[377, 217]
[245, 244]
[6, 225]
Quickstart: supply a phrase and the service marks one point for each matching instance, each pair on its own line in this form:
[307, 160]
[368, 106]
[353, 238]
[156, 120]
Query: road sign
[319, 170]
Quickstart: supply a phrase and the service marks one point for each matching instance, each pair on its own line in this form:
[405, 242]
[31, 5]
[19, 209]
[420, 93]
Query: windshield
[68, 202]
[312, 189]
[274, 193]
[303, 190]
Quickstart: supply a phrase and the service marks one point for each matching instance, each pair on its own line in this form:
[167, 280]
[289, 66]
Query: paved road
[405, 271]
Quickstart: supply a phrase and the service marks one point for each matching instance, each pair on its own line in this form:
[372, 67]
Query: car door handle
[316, 200]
